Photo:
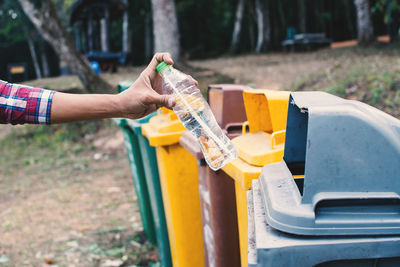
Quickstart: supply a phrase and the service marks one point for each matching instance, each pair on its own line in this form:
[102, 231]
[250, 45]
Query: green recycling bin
[143, 164]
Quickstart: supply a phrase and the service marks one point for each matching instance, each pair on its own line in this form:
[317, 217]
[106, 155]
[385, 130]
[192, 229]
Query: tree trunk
[302, 16]
[125, 33]
[252, 18]
[49, 26]
[237, 26]
[282, 17]
[104, 31]
[90, 33]
[349, 20]
[267, 24]
[260, 25]
[148, 44]
[34, 58]
[43, 56]
[263, 25]
[365, 31]
[165, 28]
[319, 24]
[78, 45]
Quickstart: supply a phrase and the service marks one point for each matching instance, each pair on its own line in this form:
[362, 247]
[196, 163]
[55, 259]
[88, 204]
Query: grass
[368, 75]
[48, 146]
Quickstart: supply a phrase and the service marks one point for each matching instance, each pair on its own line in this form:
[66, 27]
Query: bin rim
[242, 172]
[270, 242]
[159, 136]
[275, 106]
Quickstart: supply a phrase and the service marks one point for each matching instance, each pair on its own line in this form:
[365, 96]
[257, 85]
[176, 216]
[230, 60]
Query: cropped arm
[21, 104]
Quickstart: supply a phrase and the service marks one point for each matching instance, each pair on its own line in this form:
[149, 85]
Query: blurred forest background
[205, 29]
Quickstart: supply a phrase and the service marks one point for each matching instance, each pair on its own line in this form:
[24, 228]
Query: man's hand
[144, 96]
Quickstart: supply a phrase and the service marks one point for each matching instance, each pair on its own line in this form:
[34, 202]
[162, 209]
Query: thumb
[162, 100]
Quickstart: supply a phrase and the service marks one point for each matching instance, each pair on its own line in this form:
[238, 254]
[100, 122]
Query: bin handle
[244, 127]
[274, 135]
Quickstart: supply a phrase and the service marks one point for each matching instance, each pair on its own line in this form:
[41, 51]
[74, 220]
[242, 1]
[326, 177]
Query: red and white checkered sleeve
[22, 104]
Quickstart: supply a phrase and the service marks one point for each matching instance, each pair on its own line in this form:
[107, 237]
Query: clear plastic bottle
[195, 114]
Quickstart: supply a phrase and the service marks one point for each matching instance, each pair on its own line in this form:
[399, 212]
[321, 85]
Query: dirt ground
[81, 213]
[72, 203]
[270, 71]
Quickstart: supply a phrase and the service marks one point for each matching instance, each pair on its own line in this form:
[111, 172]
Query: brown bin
[218, 210]
[217, 189]
[226, 102]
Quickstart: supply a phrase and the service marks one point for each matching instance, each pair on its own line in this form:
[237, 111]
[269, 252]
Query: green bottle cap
[162, 66]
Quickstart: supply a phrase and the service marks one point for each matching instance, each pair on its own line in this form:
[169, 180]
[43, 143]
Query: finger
[160, 57]
[164, 57]
[161, 100]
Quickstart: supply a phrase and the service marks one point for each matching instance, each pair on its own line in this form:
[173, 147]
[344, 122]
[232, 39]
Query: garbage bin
[266, 113]
[349, 153]
[142, 158]
[346, 210]
[217, 190]
[180, 189]
[226, 103]
[275, 248]
[138, 176]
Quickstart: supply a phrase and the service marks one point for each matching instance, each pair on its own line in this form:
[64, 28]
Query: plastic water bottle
[195, 114]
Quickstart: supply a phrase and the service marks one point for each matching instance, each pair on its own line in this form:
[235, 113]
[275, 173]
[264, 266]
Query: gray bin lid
[278, 249]
[349, 153]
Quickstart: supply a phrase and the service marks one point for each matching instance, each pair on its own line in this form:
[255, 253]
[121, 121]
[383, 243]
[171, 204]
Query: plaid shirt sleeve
[22, 104]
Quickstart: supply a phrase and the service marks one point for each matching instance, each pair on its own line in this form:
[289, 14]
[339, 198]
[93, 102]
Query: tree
[165, 28]
[349, 20]
[43, 56]
[32, 50]
[365, 31]
[238, 25]
[16, 27]
[263, 24]
[46, 21]
[126, 48]
[302, 15]
[390, 10]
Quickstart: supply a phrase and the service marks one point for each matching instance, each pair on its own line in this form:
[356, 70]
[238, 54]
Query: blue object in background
[290, 33]
[94, 65]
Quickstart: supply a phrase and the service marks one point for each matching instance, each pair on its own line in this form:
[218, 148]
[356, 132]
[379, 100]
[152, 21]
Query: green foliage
[120, 243]
[13, 22]
[387, 7]
[364, 75]
[205, 26]
[47, 145]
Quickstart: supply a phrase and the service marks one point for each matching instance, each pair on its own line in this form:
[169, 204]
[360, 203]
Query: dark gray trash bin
[349, 153]
[278, 249]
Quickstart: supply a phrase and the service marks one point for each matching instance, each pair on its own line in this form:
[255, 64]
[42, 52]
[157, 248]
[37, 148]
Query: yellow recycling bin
[266, 112]
[180, 189]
